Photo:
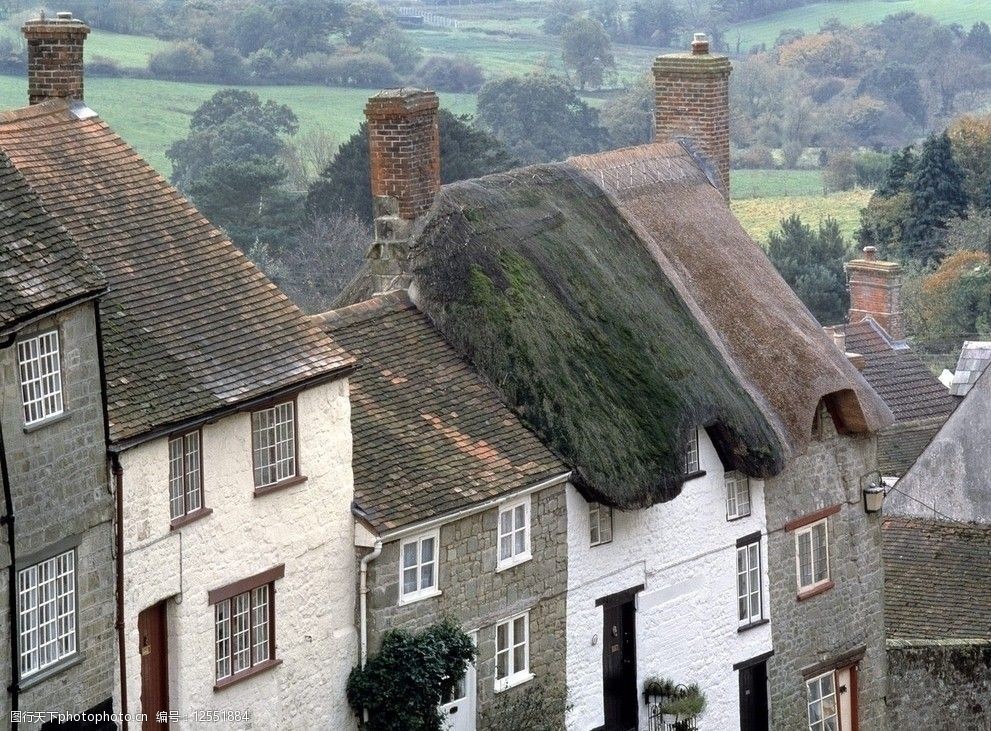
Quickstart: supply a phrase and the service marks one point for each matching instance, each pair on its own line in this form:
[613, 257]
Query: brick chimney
[691, 99]
[55, 57]
[404, 154]
[876, 291]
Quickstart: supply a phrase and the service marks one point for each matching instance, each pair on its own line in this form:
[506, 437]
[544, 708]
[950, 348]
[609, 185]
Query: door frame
[746, 666]
[156, 611]
[613, 602]
[471, 686]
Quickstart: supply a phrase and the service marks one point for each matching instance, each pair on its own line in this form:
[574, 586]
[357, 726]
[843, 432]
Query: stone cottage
[229, 432]
[57, 623]
[717, 440]
[461, 510]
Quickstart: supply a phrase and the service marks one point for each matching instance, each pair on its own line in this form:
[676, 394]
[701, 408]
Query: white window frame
[692, 455]
[515, 557]
[39, 366]
[820, 725]
[278, 450]
[183, 472]
[745, 588]
[50, 583]
[421, 592]
[599, 524]
[809, 530]
[733, 481]
[515, 676]
[255, 629]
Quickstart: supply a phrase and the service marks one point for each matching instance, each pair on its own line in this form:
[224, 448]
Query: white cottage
[229, 431]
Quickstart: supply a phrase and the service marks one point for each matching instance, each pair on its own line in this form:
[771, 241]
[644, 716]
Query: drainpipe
[363, 607]
[8, 522]
[118, 473]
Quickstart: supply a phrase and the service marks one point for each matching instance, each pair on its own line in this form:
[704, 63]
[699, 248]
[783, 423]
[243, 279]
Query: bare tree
[306, 155]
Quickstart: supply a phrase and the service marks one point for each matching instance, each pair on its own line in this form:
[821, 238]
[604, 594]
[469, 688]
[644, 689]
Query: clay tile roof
[41, 268]
[617, 304]
[190, 325]
[430, 437]
[937, 583]
[911, 391]
[975, 355]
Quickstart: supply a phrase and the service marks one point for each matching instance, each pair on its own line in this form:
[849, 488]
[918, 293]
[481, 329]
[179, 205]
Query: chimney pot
[870, 253]
[64, 15]
[691, 99]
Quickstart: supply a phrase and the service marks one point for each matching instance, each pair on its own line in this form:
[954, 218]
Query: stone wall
[951, 478]
[940, 686]
[308, 527]
[61, 499]
[845, 619]
[477, 596]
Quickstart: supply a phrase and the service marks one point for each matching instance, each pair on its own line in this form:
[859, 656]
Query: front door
[619, 666]
[846, 689]
[753, 697]
[154, 648]
[460, 711]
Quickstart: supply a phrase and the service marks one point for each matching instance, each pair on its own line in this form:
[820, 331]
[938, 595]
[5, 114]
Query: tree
[811, 262]
[585, 48]
[654, 22]
[304, 26]
[405, 683]
[250, 28]
[970, 136]
[629, 117]
[937, 195]
[458, 74]
[229, 165]
[539, 118]
[562, 11]
[465, 152]
[899, 175]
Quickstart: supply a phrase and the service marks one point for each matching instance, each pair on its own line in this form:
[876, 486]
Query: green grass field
[759, 216]
[774, 183]
[128, 51]
[151, 114]
[852, 13]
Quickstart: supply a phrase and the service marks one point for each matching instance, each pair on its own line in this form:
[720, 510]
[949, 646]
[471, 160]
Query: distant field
[151, 114]
[774, 183]
[759, 216]
[128, 51]
[852, 12]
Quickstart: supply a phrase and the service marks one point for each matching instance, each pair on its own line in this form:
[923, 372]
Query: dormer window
[41, 377]
[691, 454]
[737, 495]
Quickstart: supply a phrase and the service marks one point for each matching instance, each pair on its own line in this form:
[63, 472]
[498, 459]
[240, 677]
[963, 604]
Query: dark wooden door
[753, 697]
[619, 667]
[153, 638]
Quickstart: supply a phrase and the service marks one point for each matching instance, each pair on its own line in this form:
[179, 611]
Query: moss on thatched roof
[537, 279]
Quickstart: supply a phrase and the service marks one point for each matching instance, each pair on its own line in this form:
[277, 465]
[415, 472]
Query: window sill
[512, 681]
[52, 670]
[694, 475]
[245, 674]
[752, 625]
[599, 543]
[190, 518]
[815, 591]
[414, 598]
[48, 421]
[514, 561]
[731, 518]
[277, 486]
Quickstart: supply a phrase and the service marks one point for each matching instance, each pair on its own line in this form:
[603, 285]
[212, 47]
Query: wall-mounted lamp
[873, 497]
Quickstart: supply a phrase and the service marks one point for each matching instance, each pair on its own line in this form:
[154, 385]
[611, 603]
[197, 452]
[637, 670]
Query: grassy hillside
[150, 114]
[853, 12]
[128, 51]
[775, 183]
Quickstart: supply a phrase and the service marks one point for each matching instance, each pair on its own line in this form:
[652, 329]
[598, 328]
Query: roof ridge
[42, 109]
[382, 304]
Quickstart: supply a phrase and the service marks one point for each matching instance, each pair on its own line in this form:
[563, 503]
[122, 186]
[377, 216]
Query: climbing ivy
[404, 684]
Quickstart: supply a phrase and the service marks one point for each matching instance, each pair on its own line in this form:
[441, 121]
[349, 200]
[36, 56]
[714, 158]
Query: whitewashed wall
[684, 553]
[307, 527]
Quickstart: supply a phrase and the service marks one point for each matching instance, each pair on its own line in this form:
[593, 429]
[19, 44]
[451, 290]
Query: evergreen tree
[937, 196]
[811, 262]
[899, 173]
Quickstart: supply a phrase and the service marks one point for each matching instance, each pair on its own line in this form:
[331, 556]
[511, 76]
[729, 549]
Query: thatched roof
[616, 304]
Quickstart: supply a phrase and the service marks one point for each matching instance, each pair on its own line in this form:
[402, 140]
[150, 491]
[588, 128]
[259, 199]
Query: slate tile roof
[974, 359]
[40, 266]
[190, 325]
[911, 391]
[430, 437]
[937, 583]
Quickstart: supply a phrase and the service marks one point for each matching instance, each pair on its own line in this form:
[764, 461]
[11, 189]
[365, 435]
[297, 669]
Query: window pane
[821, 567]
[259, 624]
[605, 525]
[502, 664]
[193, 488]
[241, 633]
[223, 618]
[520, 542]
[427, 550]
[47, 612]
[409, 554]
[505, 523]
[805, 558]
[427, 576]
[409, 580]
[274, 454]
[519, 516]
[177, 503]
[41, 377]
[505, 547]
